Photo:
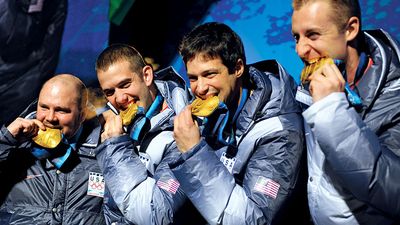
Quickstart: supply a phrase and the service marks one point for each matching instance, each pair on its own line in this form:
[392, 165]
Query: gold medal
[48, 138]
[312, 66]
[128, 114]
[204, 108]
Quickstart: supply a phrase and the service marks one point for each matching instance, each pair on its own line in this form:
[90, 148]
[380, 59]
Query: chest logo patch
[96, 184]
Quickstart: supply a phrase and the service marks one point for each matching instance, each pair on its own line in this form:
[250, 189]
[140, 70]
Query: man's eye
[313, 35]
[62, 111]
[125, 85]
[108, 93]
[211, 74]
[192, 79]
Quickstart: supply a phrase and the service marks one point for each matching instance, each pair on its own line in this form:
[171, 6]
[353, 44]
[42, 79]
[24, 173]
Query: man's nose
[303, 48]
[202, 87]
[121, 100]
[51, 116]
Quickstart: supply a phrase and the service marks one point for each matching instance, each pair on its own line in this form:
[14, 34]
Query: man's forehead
[58, 93]
[204, 65]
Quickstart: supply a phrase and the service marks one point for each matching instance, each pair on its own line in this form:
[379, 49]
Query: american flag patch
[170, 185]
[267, 187]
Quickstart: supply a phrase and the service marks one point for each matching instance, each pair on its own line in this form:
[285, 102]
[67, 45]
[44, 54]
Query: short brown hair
[214, 40]
[118, 52]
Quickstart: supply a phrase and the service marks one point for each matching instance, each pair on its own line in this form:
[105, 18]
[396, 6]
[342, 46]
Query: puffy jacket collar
[172, 87]
[385, 53]
[272, 94]
[91, 133]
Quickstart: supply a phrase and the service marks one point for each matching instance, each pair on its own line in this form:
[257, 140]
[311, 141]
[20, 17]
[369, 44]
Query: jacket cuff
[194, 150]
[8, 137]
[311, 113]
[112, 141]
[187, 155]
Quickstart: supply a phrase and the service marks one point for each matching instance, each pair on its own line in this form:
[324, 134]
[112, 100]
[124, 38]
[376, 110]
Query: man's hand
[24, 129]
[326, 80]
[186, 130]
[112, 127]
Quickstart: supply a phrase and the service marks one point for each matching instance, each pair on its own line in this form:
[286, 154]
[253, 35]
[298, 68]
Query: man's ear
[84, 114]
[148, 75]
[239, 68]
[352, 28]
